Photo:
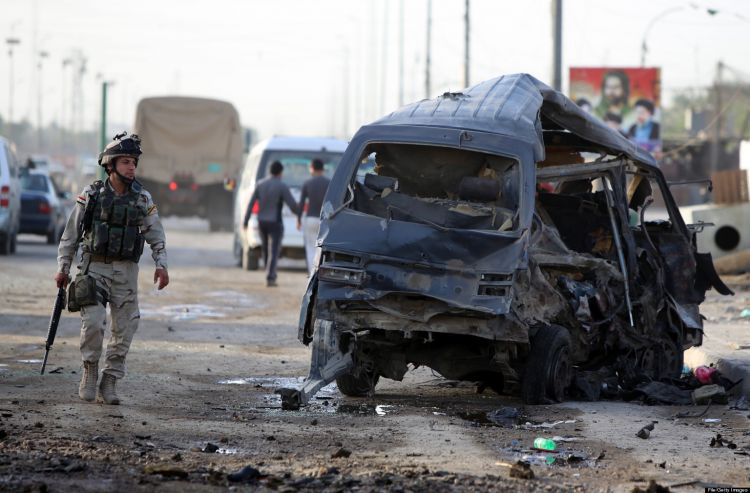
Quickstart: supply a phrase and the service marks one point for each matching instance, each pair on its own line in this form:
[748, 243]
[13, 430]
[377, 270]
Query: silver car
[10, 197]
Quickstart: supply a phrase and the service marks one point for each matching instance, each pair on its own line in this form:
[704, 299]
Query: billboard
[627, 99]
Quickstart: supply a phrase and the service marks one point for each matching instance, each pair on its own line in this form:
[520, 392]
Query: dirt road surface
[214, 345]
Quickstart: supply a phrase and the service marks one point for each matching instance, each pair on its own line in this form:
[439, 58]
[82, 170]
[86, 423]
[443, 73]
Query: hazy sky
[327, 66]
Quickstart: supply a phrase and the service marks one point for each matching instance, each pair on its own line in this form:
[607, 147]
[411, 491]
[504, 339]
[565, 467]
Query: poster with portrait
[626, 98]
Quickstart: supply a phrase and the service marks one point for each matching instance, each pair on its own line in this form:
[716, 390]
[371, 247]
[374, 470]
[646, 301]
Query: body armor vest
[114, 227]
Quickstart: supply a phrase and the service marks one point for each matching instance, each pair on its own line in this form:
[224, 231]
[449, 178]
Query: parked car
[296, 154]
[43, 210]
[10, 197]
[501, 238]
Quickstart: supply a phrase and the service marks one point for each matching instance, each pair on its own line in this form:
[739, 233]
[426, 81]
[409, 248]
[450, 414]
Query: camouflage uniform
[116, 279]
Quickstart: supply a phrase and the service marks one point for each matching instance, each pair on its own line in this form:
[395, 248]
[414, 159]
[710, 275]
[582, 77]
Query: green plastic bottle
[544, 444]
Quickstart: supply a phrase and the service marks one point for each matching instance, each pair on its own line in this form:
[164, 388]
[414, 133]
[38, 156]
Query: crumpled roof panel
[511, 105]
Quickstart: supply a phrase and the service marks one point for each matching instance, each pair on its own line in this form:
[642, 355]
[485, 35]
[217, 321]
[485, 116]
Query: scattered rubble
[341, 453]
[521, 470]
[247, 473]
[645, 432]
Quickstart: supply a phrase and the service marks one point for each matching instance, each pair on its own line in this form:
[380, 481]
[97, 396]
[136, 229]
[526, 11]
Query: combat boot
[106, 392]
[87, 387]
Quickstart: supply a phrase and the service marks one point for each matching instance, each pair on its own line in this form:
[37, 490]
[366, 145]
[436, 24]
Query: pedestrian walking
[110, 221]
[270, 193]
[313, 192]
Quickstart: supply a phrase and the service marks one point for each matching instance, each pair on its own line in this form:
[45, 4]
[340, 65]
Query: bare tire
[360, 385]
[13, 242]
[547, 373]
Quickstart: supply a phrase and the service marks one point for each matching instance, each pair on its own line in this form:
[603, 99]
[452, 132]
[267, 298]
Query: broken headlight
[342, 275]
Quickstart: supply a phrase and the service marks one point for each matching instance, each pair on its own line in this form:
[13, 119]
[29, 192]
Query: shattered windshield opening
[443, 187]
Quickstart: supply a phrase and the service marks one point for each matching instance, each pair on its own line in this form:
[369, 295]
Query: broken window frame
[475, 141]
[621, 233]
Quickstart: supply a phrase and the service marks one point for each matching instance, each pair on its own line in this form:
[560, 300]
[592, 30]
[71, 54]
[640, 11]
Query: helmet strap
[125, 180]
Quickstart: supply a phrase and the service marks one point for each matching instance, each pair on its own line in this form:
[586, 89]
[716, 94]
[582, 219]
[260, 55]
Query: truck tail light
[44, 207]
[173, 185]
[256, 208]
[5, 196]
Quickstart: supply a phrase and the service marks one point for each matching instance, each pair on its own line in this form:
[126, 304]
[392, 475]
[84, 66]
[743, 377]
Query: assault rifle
[52, 331]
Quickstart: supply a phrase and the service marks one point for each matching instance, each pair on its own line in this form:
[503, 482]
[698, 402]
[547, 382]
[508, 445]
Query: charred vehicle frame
[501, 237]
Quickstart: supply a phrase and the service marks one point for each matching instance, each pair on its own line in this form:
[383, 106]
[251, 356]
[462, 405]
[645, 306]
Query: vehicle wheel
[357, 386]
[547, 373]
[13, 242]
[250, 259]
[4, 244]
[214, 224]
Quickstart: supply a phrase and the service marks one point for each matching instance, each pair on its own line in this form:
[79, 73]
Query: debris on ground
[247, 473]
[504, 416]
[710, 393]
[521, 470]
[210, 448]
[740, 404]
[166, 471]
[653, 487]
[528, 425]
[542, 443]
[719, 441]
[645, 432]
[342, 452]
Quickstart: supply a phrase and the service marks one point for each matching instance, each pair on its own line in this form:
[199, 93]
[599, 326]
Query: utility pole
[557, 44]
[427, 88]
[103, 129]
[466, 45]
[716, 146]
[11, 43]
[40, 91]
[63, 96]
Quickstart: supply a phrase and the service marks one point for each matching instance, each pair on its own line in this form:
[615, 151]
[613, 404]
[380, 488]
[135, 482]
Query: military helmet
[121, 145]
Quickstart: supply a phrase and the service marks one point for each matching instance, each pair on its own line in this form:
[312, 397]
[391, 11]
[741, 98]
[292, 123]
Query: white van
[296, 154]
[10, 197]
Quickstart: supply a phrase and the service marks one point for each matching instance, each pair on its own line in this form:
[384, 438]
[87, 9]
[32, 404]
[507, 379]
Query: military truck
[192, 149]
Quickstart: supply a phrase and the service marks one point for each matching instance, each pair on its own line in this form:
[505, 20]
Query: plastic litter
[745, 313]
[542, 443]
[529, 425]
[704, 374]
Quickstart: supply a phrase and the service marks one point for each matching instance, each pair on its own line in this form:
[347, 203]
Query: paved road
[214, 345]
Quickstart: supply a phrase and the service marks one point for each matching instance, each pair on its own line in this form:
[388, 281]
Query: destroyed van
[503, 237]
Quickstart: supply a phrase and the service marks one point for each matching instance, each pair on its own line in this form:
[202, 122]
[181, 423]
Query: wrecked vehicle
[501, 237]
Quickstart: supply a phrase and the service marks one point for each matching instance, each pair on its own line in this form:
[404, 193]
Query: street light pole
[40, 90]
[103, 129]
[11, 43]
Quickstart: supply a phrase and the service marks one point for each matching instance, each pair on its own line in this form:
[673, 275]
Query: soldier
[111, 219]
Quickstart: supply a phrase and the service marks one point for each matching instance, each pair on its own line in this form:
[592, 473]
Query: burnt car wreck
[501, 236]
